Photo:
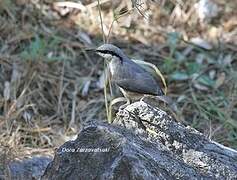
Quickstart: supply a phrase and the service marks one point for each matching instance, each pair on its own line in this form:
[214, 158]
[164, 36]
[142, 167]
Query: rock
[27, 168]
[152, 146]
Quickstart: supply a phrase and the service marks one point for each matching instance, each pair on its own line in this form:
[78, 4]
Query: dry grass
[50, 85]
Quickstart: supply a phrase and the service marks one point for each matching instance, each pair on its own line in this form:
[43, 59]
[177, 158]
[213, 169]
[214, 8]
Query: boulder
[144, 142]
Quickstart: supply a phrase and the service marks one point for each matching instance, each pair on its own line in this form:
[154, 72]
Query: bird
[134, 82]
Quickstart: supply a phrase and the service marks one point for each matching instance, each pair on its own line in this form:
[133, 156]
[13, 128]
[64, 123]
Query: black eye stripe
[109, 52]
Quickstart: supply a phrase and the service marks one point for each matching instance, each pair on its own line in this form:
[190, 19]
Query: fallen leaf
[227, 60]
[201, 43]
[85, 89]
[200, 87]
[85, 38]
[220, 80]
[207, 10]
[206, 80]
[181, 98]
[180, 76]
[199, 58]
[212, 74]
[231, 24]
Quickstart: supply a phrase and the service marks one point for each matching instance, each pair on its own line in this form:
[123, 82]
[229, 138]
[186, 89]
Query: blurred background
[49, 84]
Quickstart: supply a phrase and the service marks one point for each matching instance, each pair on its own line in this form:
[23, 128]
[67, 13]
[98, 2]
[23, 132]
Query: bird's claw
[122, 107]
[142, 99]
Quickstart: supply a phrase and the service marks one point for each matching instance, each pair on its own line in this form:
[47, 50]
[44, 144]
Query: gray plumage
[127, 74]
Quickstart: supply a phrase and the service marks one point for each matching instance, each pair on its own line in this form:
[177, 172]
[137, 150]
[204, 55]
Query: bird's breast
[115, 68]
[112, 68]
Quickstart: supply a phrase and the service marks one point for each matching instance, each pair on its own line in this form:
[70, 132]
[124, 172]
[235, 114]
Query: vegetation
[49, 84]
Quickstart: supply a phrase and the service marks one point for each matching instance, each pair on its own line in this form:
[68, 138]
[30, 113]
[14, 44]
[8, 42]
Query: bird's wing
[134, 78]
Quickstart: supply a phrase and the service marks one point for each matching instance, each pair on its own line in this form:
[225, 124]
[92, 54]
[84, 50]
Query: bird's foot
[143, 98]
[122, 107]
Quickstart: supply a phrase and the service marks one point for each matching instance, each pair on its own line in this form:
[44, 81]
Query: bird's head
[109, 51]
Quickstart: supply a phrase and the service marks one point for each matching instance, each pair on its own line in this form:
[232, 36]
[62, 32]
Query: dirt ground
[49, 84]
